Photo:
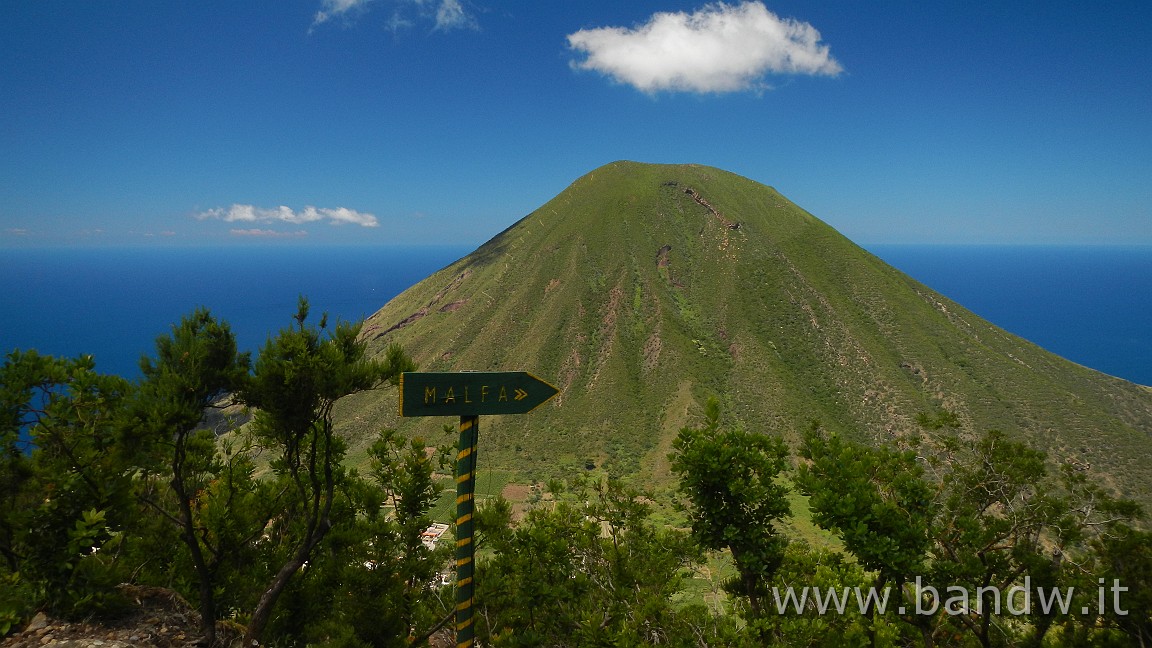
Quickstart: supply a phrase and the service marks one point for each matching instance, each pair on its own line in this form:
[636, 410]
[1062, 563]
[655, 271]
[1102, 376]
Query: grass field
[489, 483]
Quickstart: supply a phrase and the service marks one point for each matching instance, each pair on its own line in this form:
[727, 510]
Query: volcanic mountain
[642, 290]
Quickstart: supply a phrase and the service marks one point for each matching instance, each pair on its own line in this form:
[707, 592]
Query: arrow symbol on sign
[521, 394]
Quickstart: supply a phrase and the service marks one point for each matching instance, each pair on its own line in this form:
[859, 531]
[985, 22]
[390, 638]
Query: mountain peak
[642, 290]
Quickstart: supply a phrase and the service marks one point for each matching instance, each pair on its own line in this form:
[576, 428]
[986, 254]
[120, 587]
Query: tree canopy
[222, 477]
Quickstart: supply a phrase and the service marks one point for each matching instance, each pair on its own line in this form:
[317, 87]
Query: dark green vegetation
[128, 483]
[643, 290]
[731, 477]
[125, 485]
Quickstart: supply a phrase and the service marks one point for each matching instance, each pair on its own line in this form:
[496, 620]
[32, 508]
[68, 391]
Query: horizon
[468, 247]
[402, 122]
[1022, 288]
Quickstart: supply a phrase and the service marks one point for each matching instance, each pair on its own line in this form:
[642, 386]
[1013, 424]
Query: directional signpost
[468, 395]
[472, 393]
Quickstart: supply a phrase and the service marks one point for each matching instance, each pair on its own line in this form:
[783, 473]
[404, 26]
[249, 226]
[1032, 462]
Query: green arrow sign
[472, 393]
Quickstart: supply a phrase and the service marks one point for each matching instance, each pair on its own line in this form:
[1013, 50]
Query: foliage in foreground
[104, 481]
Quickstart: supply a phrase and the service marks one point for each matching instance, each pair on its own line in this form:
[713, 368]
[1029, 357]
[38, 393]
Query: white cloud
[342, 215]
[451, 15]
[720, 48]
[399, 22]
[445, 14]
[282, 214]
[330, 9]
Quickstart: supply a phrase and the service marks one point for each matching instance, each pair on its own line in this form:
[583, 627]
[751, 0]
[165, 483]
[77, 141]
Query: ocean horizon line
[1082, 302]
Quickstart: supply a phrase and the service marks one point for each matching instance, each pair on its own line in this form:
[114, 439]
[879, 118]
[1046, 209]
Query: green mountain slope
[641, 290]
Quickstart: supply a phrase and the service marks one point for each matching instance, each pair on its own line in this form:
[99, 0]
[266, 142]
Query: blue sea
[1089, 304]
[114, 303]
[1092, 305]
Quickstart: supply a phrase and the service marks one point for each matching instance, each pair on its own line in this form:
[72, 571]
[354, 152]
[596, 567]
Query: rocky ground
[160, 618]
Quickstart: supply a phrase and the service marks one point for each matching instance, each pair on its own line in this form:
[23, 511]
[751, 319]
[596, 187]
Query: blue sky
[137, 122]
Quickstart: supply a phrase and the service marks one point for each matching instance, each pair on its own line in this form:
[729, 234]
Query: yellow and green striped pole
[465, 551]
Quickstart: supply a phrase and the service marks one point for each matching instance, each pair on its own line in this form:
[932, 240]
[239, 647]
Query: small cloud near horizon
[720, 48]
[252, 214]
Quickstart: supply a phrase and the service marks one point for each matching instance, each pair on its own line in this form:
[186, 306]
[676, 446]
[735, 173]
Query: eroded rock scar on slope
[732, 225]
[427, 308]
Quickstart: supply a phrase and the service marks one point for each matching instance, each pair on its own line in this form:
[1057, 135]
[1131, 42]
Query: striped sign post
[465, 507]
[468, 395]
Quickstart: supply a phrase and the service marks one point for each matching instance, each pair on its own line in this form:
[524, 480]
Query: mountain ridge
[641, 290]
